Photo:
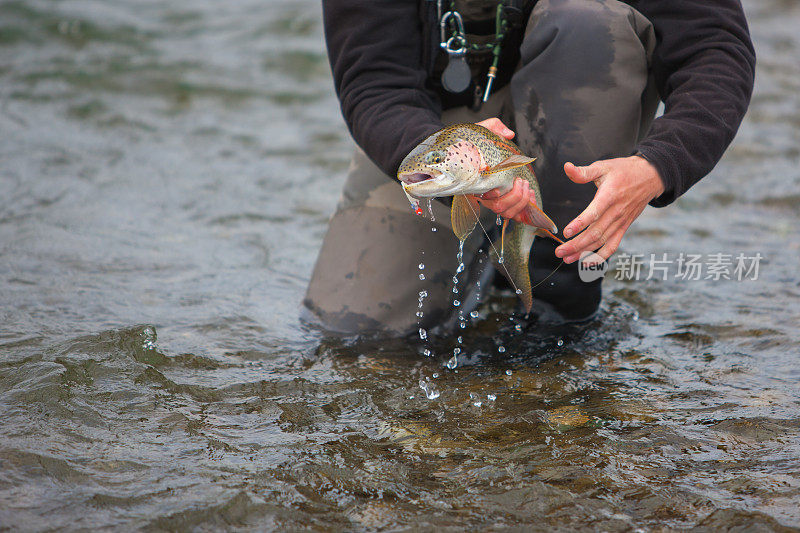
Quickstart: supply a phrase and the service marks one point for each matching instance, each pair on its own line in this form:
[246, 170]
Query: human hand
[496, 126]
[513, 202]
[625, 185]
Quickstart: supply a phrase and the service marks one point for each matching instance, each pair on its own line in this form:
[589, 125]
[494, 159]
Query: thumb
[584, 174]
[495, 125]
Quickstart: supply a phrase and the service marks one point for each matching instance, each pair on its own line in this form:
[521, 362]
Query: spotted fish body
[464, 160]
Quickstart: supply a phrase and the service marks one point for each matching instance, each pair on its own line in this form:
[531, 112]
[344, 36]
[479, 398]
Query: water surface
[166, 175]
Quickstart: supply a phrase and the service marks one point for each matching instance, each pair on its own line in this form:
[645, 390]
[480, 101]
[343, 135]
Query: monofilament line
[508, 274]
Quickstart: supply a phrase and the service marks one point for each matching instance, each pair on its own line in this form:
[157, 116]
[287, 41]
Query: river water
[166, 174]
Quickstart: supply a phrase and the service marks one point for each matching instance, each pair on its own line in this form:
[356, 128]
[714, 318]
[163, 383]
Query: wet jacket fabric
[703, 67]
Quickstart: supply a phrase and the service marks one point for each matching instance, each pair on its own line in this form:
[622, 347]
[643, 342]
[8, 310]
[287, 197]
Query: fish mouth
[409, 178]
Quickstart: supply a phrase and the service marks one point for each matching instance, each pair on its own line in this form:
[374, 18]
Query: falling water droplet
[430, 210]
[501, 349]
[463, 325]
[435, 375]
[499, 220]
[560, 342]
[423, 334]
[456, 303]
[427, 352]
[422, 277]
[518, 327]
[519, 291]
[421, 266]
[474, 314]
[508, 372]
[460, 339]
[452, 363]
[433, 229]
[491, 397]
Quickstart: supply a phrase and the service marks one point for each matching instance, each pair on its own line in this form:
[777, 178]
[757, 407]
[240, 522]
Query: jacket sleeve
[704, 67]
[375, 51]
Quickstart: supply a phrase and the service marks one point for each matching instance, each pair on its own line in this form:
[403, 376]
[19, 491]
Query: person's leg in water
[368, 277]
[582, 92]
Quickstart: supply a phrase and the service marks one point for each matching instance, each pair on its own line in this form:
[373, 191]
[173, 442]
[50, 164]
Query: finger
[611, 246]
[515, 211]
[601, 202]
[491, 195]
[584, 174]
[504, 202]
[590, 239]
[496, 126]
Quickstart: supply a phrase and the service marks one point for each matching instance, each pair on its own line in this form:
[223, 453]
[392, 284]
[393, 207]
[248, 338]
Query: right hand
[512, 204]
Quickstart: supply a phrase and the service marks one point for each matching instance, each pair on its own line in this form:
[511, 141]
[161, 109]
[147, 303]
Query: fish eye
[434, 158]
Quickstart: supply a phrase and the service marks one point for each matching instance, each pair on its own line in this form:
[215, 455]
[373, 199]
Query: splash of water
[430, 390]
[475, 399]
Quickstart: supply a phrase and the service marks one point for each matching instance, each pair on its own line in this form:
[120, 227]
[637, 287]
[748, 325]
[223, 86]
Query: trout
[464, 160]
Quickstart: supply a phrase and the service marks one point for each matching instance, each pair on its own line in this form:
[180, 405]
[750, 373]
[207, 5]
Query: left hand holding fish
[513, 203]
[625, 186]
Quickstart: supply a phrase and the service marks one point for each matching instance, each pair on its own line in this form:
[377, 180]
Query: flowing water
[166, 173]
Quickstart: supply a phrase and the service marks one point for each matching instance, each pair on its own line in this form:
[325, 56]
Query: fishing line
[548, 276]
[508, 274]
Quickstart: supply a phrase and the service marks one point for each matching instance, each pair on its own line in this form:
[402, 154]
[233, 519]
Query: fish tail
[514, 261]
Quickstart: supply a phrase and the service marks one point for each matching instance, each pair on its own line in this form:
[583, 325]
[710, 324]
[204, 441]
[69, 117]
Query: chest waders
[574, 87]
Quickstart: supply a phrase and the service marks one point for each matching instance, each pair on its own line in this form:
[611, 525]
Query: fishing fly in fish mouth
[465, 160]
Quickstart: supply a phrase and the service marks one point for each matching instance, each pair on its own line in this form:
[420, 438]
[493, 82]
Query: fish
[465, 160]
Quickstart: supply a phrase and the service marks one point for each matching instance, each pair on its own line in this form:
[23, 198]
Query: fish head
[441, 165]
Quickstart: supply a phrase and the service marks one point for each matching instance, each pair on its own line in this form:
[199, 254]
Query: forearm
[375, 50]
[704, 68]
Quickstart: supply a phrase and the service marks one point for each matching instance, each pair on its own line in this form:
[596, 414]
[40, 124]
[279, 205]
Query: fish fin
[536, 217]
[516, 255]
[464, 215]
[512, 161]
[541, 232]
